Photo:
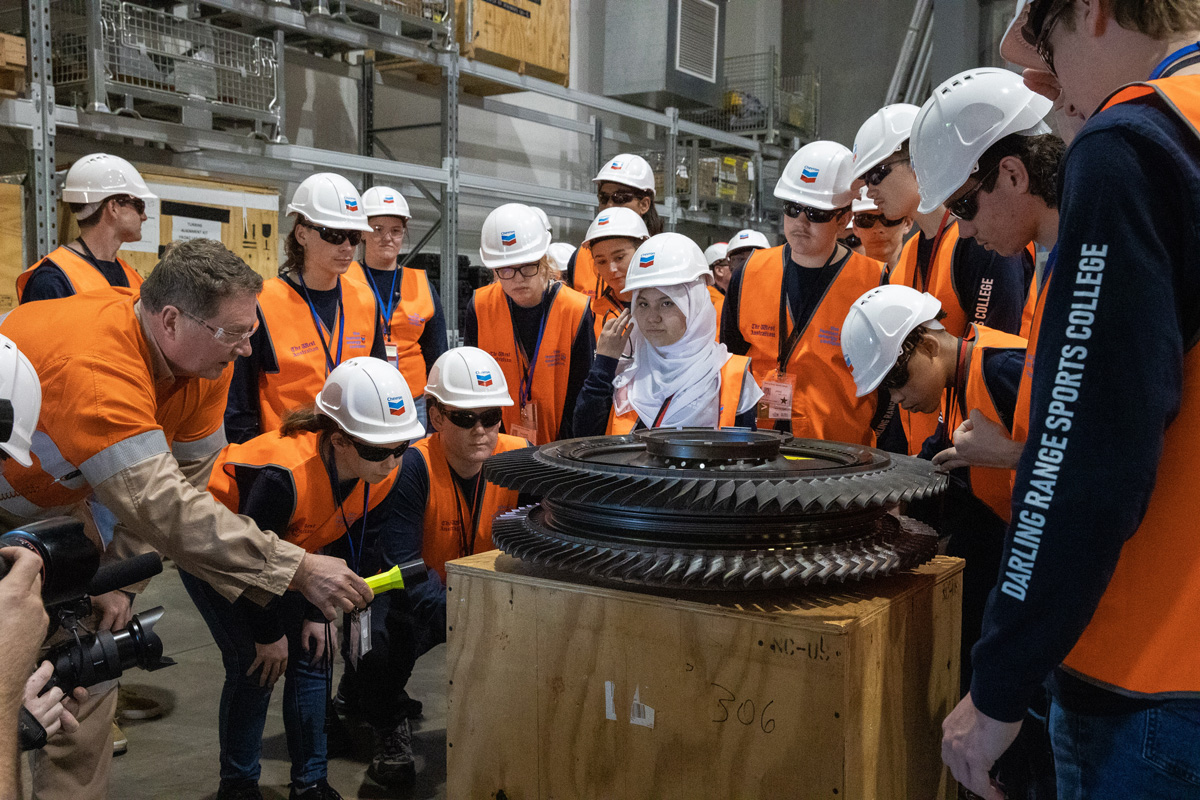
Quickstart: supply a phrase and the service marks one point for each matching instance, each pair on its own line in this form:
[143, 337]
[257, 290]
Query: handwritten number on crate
[746, 712]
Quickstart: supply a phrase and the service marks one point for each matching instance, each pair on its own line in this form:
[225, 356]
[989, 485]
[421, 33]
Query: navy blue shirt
[433, 337]
[1122, 308]
[49, 282]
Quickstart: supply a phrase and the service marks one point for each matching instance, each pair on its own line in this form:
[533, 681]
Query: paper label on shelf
[639, 712]
[192, 228]
[610, 707]
[149, 241]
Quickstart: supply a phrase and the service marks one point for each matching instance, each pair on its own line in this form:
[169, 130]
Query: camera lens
[69, 559]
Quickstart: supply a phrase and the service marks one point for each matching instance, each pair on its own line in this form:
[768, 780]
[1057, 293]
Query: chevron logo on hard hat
[617, 165]
[351, 204]
[396, 406]
[809, 175]
[602, 220]
[508, 238]
[646, 260]
[484, 378]
[743, 236]
[387, 198]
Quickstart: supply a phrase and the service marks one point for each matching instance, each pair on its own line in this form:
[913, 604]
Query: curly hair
[1041, 154]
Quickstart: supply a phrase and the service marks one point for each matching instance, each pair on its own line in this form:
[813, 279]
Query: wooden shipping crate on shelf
[13, 59]
[532, 37]
[572, 690]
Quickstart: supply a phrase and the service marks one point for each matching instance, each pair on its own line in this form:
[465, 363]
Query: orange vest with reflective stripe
[79, 271]
[446, 510]
[823, 403]
[1143, 637]
[585, 279]
[292, 330]
[496, 336]
[413, 309]
[734, 373]
[992, 486]
[316, 520]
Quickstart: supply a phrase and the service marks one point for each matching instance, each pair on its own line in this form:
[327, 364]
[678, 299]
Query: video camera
[71, 575]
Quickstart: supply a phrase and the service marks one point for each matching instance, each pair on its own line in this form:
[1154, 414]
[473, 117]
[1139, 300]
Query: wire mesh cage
[150, 56]
[705, 178]
[757, 100]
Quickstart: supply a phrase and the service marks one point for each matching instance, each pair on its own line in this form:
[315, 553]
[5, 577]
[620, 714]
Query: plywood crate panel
[570, 690]
[529, 36]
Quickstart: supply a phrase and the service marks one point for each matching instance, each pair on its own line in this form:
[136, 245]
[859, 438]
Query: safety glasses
[876, 174]
[852, 241]
[489, 417]
[227, 338]
[526, 270]
[374, 453]
[967, 206]
[817, 215]
[335, 236]
[869, 220]
[128, 200]
[618, 198]
[1040, 24]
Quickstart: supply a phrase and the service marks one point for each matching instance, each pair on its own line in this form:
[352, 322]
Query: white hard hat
[875, 329]
[545, 219]
[560, 253]
[467, 377]
[715, 252]
[328, 200]
[748, 238]
[1014, 47]
[98, 176]
[512, 234]
[863, 204]
[20, 387]
[668, 259]
[963, 118]
[882, 134]
[384, 201]
[628, 170]
[818, 175]
[369, 400]
[617, 222]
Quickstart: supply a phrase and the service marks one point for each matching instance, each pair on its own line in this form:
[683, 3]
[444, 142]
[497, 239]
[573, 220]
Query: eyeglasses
[852, 241]
[136, 203]
[374, 453]
[526, 270]
[817, 215]
[227, 338]
[619, 198]
[387, 233]
[336, 236]
[489, 417]
[967, 206]
[869, 220]
[1040, 25]
[875, 175]
[720, 263]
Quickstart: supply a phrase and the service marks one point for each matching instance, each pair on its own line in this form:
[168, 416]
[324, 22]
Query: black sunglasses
[869, 220]
[620, 197]
[489, 417]
[526, 270]
[370, 452]
[875, 175]
[1040, 24]
[336, 236]
[136, 203]
[817, 215]
[852, 241]
[967, 206]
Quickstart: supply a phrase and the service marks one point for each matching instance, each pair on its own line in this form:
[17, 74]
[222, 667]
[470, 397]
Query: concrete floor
[175, 756]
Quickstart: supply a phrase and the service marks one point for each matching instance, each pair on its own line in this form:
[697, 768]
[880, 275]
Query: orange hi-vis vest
[1142, 637]
[79, 271]
[412, 310]
[823, 403]
[604, 309]
[734, 374]
[316, 519]
[292, 329]
[447, 511]
[719, 304]
[585, 279]
[101, 407]
[992, 486]
[549, 390]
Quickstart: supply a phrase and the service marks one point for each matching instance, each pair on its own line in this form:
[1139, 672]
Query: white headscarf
[688, 371]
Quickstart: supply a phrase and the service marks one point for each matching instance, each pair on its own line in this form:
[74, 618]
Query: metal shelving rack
[318, 29]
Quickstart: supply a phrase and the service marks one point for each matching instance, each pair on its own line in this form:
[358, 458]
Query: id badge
[528, 426]
[776, 402]
[360, 635]
[393, 355]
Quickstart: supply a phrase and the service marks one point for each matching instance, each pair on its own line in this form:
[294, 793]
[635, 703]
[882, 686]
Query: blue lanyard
[385, 310]
[1178, 55]
[527, 380]
[355, 553]
[330, 362]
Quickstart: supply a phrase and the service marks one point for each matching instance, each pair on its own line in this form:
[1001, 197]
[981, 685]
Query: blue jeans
[1147, 755]
[243, 709]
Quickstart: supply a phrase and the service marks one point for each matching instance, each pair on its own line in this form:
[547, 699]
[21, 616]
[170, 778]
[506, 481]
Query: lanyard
[923, 273]
[330, 362]
[88, 255]
[954, 394]
[527, 379]
[1164, 67]
[467, 545]
[662, 412]
[355, 553]
[786, 348]
[385, 310]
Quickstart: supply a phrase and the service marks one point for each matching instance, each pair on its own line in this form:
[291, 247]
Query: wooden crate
[528, 36]
[570, 690]
[13, 58]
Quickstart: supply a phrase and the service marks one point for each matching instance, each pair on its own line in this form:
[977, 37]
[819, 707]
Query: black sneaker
[239, 791]
[393, 764]
[321, 790]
